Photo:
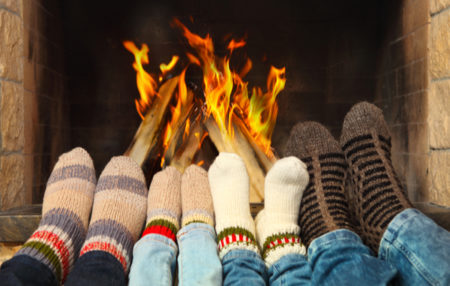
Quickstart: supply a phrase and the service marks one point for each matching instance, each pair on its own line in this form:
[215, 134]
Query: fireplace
[66, 79]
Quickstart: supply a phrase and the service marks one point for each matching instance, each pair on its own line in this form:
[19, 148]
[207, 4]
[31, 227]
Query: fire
[226, 93]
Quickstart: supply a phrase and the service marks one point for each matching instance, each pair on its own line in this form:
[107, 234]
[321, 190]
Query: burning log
[146, 136]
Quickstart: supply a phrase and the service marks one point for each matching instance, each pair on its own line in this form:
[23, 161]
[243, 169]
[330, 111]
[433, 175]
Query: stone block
[11, 116]
[439, 178]
[11, 46]
[12, 5]
[416, 13]
[12, 181]
[438, 5]
[440, 45]
[439, 114]
[412, 77]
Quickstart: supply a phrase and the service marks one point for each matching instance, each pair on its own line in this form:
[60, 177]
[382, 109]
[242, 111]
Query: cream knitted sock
[230, 186]
[196, 200]
[276, 226]
[118, 214]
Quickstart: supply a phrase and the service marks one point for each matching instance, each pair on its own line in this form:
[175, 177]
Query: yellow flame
[165, 68]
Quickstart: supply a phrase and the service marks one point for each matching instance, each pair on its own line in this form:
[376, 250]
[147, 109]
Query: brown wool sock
[196, 200]
[378, 193]
[324, 206]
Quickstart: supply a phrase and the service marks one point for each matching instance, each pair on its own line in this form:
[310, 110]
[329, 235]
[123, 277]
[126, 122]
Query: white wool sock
[276, 226]
[230, 186]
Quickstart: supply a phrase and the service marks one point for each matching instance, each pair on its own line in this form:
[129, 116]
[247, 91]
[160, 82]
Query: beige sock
[118, 214]
[164, 204]
[196, 200]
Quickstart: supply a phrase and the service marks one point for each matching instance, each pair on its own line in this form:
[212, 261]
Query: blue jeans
[413, 251]
[155, 256]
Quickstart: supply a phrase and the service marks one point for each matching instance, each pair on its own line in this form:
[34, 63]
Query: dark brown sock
[378, 193]
[324, 206]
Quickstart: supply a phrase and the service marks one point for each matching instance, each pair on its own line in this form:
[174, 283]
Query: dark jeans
[93, 268]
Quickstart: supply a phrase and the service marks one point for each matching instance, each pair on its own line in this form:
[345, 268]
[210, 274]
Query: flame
[226, 94]
[145, 83]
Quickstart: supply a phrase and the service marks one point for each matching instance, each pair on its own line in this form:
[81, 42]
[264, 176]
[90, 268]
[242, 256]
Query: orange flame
[145, 83]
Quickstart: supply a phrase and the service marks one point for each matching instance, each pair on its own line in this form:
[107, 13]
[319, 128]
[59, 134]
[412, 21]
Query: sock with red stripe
[164, 204]
[118, 212]
[230, 187]
[378, 194]
[276, 225]
[65, 213]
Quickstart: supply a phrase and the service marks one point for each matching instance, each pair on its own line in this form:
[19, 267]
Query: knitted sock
[164, 204]
[196, 200]
[276, 226]
[230, 187]
[324, 206]
[65, 213]
[119, 208]
[379, 194]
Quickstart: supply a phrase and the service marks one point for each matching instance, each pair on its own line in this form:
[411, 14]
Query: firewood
[147, 135]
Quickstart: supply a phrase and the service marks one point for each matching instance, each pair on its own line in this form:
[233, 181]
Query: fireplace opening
[335, 54]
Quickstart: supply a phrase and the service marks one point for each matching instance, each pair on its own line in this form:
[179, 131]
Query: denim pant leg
[24, 270]
[198, 262]
[243, 267]
[291, 269]
[97, 268]
[418, 247]
[340, 258]
[154, 261]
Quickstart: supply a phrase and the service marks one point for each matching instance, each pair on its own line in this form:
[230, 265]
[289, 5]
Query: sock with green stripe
[65, 213]
[164, 204]
[230, 187]
[196, 200]
[379, 195]
[324, 205]
[118, 212]
[276, 225]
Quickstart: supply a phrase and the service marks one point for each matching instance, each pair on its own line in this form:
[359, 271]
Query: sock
[324, 206]
[379, 194]
[65, 213]
[276, 225]
[230, 186]
[119, 208]
[164, 204]
[196, 200]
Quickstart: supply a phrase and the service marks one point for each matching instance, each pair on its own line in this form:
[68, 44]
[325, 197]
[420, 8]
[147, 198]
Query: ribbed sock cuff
[162, 227]
[278, 245]
[236, 238]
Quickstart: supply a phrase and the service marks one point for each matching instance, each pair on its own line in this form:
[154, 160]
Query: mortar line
[439, 12]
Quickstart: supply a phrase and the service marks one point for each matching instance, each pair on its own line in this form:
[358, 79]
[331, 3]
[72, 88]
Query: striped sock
[276, 226]
[119, 208]
[196, 200]
[379, 194]
[65, 213]
[230, 186]
[164, 204]
[324, 206]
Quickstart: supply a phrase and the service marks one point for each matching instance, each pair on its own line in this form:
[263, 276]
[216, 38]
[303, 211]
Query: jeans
[419, 249]
[413, 251]
[94, 268]
[155, 256]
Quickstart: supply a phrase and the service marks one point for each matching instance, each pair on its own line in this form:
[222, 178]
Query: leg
[241, 260]
[155, 253]
[400, 235]
[419, 249]
[117, 218]
[276, 226]
[333, 247]
[198, 263]
[47, 257]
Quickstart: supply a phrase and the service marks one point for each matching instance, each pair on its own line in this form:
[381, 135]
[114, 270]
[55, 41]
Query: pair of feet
[174, 196]
[276, 230]
[373, 195]
[72, 196]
